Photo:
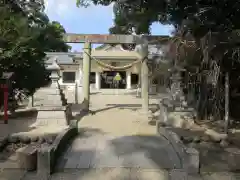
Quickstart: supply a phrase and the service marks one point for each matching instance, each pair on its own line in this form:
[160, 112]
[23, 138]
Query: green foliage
[25, 34]
[197, 17]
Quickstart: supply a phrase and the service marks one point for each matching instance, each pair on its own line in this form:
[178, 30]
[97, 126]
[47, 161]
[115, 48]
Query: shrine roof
[155, 51]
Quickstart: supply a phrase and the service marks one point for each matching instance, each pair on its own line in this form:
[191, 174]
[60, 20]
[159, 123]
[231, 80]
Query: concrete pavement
[117, 143]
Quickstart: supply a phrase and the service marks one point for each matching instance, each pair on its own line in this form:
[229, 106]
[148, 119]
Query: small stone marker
[27, 158]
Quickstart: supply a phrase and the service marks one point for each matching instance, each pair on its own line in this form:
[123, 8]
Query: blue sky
[91, 20]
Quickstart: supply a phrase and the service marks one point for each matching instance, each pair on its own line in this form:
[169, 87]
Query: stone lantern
[176, 90]
[55, 69]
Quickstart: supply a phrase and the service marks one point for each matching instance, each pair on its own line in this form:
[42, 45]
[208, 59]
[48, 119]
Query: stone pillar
[129, 85]
[97, 80]
[145, 88]
[80, 76]
[143, 51]
[86, 74]
[31, 101]
[76, 92]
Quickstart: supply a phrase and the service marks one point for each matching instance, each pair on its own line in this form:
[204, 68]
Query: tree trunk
[226, 102]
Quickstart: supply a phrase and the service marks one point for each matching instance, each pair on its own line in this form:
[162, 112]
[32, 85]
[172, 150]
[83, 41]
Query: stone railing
[189, 157]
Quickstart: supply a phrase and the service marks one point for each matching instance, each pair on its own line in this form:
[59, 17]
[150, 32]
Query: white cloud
[58, 7]
[66, 9]
[91, 20]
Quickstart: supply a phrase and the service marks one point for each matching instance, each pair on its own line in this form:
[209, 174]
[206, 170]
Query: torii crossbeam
[112, 38]
[142, 40]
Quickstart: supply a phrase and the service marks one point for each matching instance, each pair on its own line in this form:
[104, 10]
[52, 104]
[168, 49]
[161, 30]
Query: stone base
[27, 158]
[51, 117]
[49, 100]
[45, 162]
[147, 115]
[50, 91]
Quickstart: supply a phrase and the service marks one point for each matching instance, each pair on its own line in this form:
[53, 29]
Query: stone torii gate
[141, 41]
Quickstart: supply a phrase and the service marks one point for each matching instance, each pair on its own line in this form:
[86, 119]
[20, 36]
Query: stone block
[48, 155]
[233, 157]
[62, 139]
[178, 174]
[50, 114]
[45, 157]
[51, 108]
[68, 113]
[27, 158]
[51, 122]
[45, 118]
[193, 163]
[48, 91]
[215, 136]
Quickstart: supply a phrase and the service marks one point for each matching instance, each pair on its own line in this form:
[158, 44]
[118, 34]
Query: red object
[5, 90]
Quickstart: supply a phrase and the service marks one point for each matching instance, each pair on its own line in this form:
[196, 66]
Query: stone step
[47, 118]
[48, 101]
[50, 122]
[48, 91]
[51, 115]
[43, 96]
[52, 108]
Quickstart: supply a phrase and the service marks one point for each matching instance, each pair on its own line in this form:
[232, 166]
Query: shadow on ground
[18, 122]
[133, 107]
[128, 155]
[20, 114]
[79, 112]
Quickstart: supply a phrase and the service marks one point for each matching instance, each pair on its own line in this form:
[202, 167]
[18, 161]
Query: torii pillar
[114, 39]
[86, 74]
[144, 78]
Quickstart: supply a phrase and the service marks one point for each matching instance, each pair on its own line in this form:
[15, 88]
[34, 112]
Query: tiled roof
[155, 51]
[62, 57]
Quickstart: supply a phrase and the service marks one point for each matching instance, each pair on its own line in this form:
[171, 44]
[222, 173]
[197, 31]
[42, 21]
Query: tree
[25, 34]
[53, 35]
[197, 17]
[212, 26]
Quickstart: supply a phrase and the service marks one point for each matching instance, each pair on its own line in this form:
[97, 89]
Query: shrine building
[101, 77]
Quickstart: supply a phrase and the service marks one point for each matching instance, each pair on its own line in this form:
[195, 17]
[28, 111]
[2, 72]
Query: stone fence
[189, 157]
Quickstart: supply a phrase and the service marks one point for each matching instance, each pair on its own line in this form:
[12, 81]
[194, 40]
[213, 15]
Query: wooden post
[86, 74]
[226, 102]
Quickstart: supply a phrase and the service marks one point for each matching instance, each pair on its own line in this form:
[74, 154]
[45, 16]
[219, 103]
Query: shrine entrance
[134, 79]
[140, 52]
[108, 81]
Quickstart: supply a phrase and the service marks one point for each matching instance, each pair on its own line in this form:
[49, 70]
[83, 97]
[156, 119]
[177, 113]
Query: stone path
[117, 143]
